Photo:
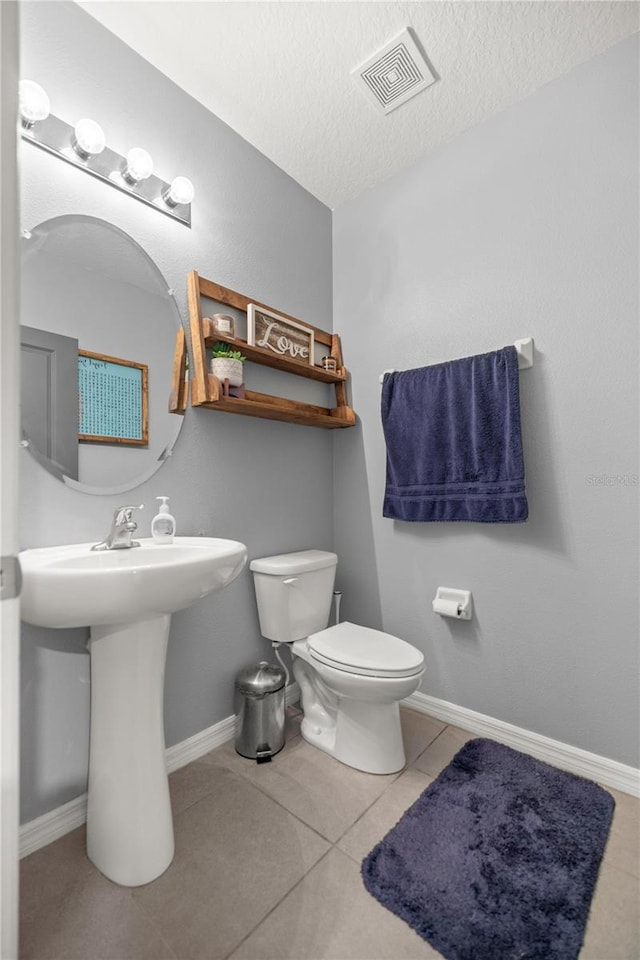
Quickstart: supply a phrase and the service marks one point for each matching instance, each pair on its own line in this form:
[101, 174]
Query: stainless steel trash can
[259, 707]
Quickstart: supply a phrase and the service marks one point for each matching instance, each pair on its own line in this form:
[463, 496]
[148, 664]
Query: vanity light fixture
[180, 191]
[34, 103]
[88, 139]
[84, 146]
[138, 165]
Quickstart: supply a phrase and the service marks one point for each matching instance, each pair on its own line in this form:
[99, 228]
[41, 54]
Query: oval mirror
[98, 331]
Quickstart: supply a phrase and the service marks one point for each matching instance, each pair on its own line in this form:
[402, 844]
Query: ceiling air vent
[395, 73]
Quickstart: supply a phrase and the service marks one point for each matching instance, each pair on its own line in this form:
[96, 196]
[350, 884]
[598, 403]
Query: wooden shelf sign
[114, 400]
[283, 337]
[280, 342]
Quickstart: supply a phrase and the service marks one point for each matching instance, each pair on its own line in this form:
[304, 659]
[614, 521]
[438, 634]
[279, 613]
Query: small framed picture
[282, 336]
[223, 323]
[114, 400]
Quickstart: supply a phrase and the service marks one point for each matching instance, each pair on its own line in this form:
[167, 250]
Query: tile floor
[267, 866]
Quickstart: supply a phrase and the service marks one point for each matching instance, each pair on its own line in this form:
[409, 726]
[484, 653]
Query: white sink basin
[126, 598]
[71, 586]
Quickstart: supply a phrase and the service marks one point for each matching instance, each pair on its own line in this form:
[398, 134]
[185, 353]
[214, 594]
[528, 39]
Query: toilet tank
[294, 592]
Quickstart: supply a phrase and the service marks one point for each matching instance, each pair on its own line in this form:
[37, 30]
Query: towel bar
[525, 356]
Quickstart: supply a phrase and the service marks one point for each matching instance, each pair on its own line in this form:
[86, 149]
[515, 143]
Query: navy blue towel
[454, 445]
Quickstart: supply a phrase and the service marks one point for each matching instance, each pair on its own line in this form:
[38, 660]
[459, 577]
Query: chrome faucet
[122, 527]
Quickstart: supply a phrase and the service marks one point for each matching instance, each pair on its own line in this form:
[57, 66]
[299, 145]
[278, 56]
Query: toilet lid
[356, 649]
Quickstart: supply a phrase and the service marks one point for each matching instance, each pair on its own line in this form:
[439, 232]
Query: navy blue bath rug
[497, 859]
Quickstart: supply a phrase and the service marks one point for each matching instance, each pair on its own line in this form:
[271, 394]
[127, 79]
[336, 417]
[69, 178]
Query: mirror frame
[50, 466]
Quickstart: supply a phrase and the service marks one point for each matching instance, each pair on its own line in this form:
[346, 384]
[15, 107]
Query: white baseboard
[610, 773]
[54, 824]
[292, 693]
[200, 743]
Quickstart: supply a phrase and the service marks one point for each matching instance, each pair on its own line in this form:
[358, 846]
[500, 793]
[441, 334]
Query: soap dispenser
[163, 525]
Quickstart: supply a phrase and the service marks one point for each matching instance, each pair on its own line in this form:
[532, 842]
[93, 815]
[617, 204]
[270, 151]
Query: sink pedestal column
[129, 821]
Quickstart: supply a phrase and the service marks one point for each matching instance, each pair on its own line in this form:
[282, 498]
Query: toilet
[351, 678]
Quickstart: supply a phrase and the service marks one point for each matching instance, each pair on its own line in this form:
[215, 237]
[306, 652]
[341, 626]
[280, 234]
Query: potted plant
[226, 364]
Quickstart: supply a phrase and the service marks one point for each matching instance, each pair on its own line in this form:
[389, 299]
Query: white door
[9, 436]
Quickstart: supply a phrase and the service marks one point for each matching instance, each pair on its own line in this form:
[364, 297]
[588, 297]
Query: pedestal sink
[126, 598]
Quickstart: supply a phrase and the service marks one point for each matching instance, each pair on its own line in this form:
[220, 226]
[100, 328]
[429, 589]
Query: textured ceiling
[278, 72]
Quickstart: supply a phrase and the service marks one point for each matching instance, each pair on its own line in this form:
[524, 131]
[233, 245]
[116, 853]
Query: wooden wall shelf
[179, 383]
[207, 391]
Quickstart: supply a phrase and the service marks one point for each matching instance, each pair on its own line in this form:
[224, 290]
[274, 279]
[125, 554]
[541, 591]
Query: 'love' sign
[282, 336]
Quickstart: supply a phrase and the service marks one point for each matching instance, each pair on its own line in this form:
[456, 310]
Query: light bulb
[139, 165]
[181, 191]
[34, 102]
[88, 138]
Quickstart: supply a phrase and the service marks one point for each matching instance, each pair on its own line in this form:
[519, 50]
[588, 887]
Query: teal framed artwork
[113, 400]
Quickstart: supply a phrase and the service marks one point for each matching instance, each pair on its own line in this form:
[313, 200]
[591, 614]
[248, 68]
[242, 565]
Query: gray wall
[267, 484]
[527, 225]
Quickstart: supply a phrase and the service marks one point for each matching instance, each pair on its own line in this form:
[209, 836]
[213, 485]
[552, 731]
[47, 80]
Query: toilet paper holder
[450, 602]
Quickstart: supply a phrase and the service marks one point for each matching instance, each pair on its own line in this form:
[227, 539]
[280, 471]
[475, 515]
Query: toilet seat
[365, 652]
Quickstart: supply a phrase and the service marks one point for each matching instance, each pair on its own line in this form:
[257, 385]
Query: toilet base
[369, 736]
[364, 734]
